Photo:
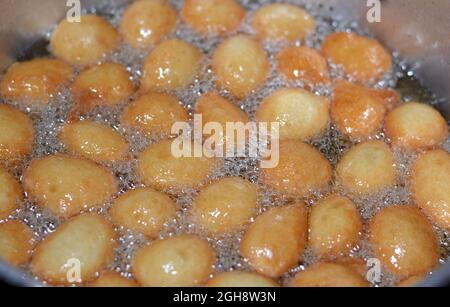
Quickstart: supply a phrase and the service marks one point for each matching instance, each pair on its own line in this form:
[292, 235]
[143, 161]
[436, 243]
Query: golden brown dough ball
[94, 141]
[367, 168]
[390, 98]
[334, 226]
[430, 182]
[301, 170]
[240, 279]
[144, 210]
[154, 113]
[16, 243]
[212, 17]
[404, 241]
[17, 134]
[414, 126]
[181, 261]
[35, 81]
[225, 206]
[362, 58]
[303, 64]
[240, 65]
[275, 241]
[324, 274]
[146, 22]
[87, 238]
[113, 280]
[84, 43]
[172, 65]
[160, 169]
[11, 195]
[67, 185]
[357, 111]
[301, 114]
[282, 22]
[107, 84]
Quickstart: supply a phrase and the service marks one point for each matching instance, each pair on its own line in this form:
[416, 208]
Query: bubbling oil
[332, 144]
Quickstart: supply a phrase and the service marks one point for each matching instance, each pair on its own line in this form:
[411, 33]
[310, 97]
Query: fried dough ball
[159, 168]
[145, 23]
[84, 43]
[282, 22]
[334, 226]
[301, 169]
[172, 65]
[324, 274]
[17, 134]
[181, 261]
[67, 185]
[11, 195]
[413, 281]
[404, 241]
[107, 84]
[154, 113]
[144, 210]
[35, 81]
[225, 206]
[274, 242]
[367, 168]
[414, 126]
[94, 141]
[304, 64]
[389, 97]
[88, 238]
[240, 65]
[16, 243]
[113, 280]
[362, 58]
[301, 114]
[357, 111]
[240, 279]
[430, 182]
[212, 17]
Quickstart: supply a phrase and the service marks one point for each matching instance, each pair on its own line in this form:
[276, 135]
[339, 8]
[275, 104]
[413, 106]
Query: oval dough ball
[240, 279]
[239, 74]
[325, 274]
[84, 43]
[67, 185]
[357, 111]
[106, 84]
[35, 81]
[144, 210]
[94, 141]
[334, 226]
[301, 114]
[275, 241]
[301, 170]
[367, 168]
[225, 206]
[303, 64]
[414, 126]
[11, 195]
[17, 134]
[181, 261]
[430, 182]
[282, 22]
[404, 241]
[113, 280]
[154, 113]
[146, 22]
[212, 17]
[172, 65]
[88, 238]
[361, 58]
[16, 243]
[160, 169]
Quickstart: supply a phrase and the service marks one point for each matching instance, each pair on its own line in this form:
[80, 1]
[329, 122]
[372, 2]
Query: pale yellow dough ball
[16, 243]
[11, 195]
[240, 279]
